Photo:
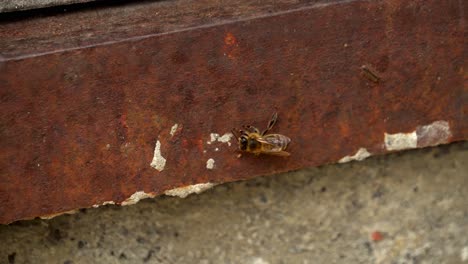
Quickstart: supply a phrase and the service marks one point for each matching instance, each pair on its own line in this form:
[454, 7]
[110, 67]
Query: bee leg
[272, 122]
[235, 133]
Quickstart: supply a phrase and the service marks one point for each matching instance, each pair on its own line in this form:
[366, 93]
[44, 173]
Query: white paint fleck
[464, 254]
[216, 149]
[104, 203]
[136, 197]
[361, 154]
[226, 138]
[173, 129]
[210, 164]
[400, 141]
[185, 191]
[158, 162]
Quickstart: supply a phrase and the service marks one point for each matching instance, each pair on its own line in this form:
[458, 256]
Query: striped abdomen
[276, 142]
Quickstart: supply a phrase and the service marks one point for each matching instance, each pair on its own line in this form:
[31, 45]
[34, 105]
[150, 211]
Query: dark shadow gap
[67, 9]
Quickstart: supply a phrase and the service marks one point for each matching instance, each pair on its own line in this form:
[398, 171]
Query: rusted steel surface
[85, 115]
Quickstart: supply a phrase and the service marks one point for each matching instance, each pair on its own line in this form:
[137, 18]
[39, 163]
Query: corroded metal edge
[133, 119]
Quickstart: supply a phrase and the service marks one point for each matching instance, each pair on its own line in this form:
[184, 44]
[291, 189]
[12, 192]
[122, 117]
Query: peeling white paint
[158, 162]
[464, 254]
[173, 129]
[136, 197]
[210, 164]
[185, 191]
[213, 138]
[50, 216]
[438, 132]
[400, 141]
[226, 138]
[361, 154]
[104, 203]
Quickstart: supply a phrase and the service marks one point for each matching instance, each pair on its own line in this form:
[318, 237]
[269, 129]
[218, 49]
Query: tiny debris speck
[173, 129]
[210, 164]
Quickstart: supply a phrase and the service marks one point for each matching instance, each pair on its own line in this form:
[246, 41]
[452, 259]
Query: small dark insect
[252, 141]
[370, 73]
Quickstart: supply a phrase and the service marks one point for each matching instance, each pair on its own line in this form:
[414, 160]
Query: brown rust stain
[82, 126]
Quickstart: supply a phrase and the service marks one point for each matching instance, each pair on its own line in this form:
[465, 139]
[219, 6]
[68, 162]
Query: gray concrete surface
[417, 201]
[18, 5]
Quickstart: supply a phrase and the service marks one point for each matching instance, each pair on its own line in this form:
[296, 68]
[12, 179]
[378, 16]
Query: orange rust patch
[231, 46]
[229, 39]
[200, 145]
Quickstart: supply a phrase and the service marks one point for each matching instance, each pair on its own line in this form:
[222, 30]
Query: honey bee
[252, 141]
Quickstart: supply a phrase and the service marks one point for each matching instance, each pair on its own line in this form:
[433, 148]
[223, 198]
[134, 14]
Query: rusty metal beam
[113, 105]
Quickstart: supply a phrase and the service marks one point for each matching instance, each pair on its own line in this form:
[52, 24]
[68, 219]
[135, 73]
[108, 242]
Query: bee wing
[267, 141]
[277, 143]
[271, 141]
[276, 139]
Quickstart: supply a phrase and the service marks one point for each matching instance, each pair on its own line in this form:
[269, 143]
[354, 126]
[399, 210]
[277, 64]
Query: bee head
[243, 142]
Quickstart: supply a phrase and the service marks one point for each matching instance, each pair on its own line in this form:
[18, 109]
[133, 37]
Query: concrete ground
[402, 208]
[19, 5]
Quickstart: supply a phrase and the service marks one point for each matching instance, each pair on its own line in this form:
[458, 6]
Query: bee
[252, 141]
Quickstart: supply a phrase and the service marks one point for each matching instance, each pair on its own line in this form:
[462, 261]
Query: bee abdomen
[281, 141]
[285, 142]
